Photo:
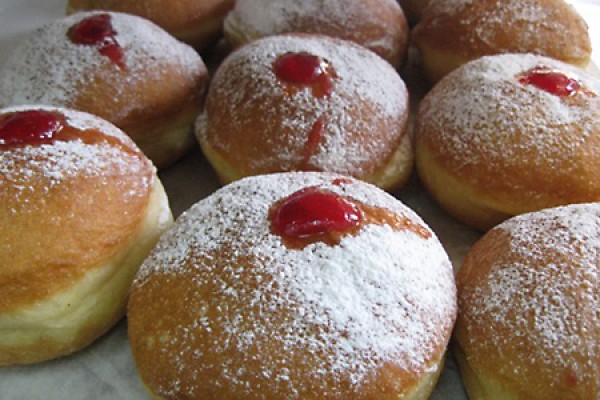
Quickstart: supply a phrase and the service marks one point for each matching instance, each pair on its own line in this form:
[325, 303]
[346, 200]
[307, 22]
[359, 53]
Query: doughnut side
[528, 320]
[488, 146]
[79, 308]
[80, 215]
[340, 323]
[379, 25]
[552, 28]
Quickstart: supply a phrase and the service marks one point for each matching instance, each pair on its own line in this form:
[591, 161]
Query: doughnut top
[324, 318]
[361, 120]
[376, 24]
[478, 27]
[530, 304]
[485, 120]
[50, 67]
[67, 203]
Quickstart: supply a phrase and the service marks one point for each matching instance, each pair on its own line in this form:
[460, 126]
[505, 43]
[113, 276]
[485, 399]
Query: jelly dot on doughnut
[314, 213]
[98, 31]
[29, 127]
[553, 82]
[306, 69]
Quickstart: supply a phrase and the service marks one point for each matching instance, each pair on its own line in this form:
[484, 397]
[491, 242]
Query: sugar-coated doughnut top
[542, 294]
[50, 68]
[382, 296]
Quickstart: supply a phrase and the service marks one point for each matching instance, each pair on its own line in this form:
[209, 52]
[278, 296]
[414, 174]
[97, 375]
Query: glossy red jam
[552, 81]
[98, 31]
[316, 213]
[304, 69]
[29, 127]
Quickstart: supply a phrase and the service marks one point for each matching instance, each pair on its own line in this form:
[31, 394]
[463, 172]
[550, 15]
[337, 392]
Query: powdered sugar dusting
[366, 93]
[554, 304]
[482, 104]
[381, 296]
[50, 69]
[28, 168]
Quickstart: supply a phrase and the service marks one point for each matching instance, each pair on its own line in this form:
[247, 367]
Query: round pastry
[378, 25]
[305, 102]
[198, 23]
[81, 208]
[413, 9]
[551, 28]
[509, 134]
[297, 285]
[120, 67]
[528, 326]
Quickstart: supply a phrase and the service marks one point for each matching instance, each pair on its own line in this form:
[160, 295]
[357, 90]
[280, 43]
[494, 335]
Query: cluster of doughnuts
[302, 278]
[119, 67]
[81, 209]
[296, 285]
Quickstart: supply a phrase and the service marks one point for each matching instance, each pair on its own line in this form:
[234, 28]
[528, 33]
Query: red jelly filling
[312, 143]
[305, 69]
[29, 127]
[98, 31]
[314, 213]
[552, 81]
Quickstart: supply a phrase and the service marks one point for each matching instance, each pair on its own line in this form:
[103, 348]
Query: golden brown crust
[452, 32]
[379, 25]
[489, 147]
[197, 23]
[253, 125]
[528, 322]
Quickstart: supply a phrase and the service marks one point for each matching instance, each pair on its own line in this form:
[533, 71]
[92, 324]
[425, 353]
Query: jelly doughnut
[296, 285]
[305, 102]
[528, 326]
[509, 134]
[81, 209]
